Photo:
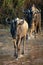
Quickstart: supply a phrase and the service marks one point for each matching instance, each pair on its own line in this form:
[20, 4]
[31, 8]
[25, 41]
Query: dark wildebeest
[19, 29]
[28, 16]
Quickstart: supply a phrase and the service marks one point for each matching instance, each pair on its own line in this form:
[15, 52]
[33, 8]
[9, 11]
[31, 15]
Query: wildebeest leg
[14, 41]
[18, 46]
[39, 27]
[19, 42]
[23, 41]
[17, 51]
[40, 23]
[15, 48]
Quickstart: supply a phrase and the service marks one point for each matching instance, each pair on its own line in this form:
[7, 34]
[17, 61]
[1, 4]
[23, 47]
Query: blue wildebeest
[28, 16]
[19, 29]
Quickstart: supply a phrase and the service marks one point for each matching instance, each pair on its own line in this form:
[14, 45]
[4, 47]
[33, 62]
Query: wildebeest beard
[13, 29]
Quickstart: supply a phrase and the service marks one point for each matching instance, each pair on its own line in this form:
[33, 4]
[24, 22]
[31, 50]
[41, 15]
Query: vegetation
[12, 8]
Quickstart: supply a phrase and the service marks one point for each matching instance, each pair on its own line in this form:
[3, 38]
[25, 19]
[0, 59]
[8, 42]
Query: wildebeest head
[14, 24]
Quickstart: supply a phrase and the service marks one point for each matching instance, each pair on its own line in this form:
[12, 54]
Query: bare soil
[33, 50]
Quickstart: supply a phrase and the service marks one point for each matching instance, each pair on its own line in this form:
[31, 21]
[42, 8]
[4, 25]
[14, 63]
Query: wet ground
[33, 50]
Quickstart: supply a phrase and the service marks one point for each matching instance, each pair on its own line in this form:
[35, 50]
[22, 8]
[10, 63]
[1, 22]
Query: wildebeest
[33, 17]
[19, 29]
[36, 20]
[28, 16]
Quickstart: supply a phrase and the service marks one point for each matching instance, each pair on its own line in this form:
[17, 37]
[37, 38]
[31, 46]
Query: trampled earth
[33, 50]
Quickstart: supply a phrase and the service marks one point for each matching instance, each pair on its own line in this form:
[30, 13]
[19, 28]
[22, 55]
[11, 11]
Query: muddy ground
[33, 50]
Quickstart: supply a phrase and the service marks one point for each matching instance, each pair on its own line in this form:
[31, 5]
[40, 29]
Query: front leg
[18, 46]
[15, 48]
[23, 41]
[14, 41]
[19, 42]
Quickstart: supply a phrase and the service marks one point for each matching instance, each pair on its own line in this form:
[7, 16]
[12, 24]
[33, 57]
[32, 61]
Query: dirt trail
[33, 50]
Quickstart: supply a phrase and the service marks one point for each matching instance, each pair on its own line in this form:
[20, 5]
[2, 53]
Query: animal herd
[20, 27]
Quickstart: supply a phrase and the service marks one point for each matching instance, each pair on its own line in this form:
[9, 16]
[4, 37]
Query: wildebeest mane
[13, 28]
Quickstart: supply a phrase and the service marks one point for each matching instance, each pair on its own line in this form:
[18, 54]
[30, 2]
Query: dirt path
[33, 50]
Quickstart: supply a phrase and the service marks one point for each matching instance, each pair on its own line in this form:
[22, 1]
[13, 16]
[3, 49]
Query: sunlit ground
[33, 50]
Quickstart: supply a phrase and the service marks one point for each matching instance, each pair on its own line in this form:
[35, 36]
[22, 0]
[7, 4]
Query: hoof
[15, 55]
